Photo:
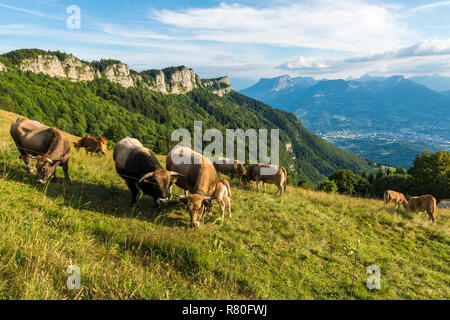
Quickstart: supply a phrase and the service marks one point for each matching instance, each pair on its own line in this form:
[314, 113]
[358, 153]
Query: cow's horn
[50, 161]
[173, 173]
[148, 175]
[208, 198]
[180, 196]
[32, 157]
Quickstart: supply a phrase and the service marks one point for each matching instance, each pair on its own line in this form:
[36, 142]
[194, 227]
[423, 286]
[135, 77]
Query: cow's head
[241, 169]
[247, 178]
[77, 145]
[157, 184]
[198, 206]
[45, 168]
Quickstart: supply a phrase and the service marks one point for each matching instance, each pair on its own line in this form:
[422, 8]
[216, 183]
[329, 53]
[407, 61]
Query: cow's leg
[280, 190]
[228, 205]
[26, 159]
[222, 207]
[134, 192]
[65, 166]
[264, 185]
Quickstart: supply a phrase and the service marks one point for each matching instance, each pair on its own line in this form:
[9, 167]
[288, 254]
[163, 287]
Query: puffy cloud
[348, 25]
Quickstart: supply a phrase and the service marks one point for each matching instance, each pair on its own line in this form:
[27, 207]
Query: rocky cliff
[219, 86]
[120, 73]
[173, 80]
[50, 65]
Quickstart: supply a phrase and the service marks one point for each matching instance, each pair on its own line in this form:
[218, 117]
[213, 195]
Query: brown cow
[267, 174]
[424, 203]
[229, 167]
[395, 197]
[92, 144]
[47, 145]
[199, 178]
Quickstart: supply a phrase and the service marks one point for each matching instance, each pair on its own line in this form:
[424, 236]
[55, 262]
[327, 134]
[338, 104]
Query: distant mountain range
[361, 115]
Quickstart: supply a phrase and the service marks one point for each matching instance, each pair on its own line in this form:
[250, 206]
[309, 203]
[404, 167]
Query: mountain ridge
[172, 80]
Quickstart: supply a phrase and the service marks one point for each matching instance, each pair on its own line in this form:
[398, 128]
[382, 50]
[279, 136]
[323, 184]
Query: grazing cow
[267, 174]
[199, 178]
[395, 197]
[229, 167]
[424, 203]
[141, 170]
[92, 144]
[47, 145]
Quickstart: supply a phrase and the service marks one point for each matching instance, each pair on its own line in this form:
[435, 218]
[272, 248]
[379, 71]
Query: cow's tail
[285, 178]
[227, 184]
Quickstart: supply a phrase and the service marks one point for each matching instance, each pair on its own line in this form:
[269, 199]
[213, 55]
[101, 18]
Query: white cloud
[422, 58]
[350, 25]
[429, 6]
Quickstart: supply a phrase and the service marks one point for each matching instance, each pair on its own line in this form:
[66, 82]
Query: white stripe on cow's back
[123, 149]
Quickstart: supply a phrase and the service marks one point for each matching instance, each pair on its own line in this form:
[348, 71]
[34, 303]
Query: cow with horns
[141, 170]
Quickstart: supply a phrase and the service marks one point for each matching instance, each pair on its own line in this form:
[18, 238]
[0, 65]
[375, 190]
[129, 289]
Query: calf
[47, 145]
[395, 197]
[199, 178]
[229, 167]
[92, 144]
[141, 171]
[267, 174]
[425, 203]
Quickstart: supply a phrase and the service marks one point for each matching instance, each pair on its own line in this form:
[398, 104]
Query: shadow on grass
[109, 200]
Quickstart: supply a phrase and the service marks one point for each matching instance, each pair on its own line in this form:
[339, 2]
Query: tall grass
[299, 247]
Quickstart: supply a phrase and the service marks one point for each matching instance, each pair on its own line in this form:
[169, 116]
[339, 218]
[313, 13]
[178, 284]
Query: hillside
[301, 247]
[364, 112]
[107, 98]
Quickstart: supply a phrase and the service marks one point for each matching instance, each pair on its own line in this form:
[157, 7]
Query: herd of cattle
[142, 172]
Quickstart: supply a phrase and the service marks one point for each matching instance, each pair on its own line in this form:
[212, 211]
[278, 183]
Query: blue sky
[247, 40]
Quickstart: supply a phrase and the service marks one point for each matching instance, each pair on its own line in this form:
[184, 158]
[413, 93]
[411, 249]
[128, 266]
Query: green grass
[296, 248]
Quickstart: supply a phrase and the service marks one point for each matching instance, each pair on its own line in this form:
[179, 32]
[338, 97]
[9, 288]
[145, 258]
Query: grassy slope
[299, 248]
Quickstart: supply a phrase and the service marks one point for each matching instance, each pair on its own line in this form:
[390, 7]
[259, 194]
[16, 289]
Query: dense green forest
[101, 107]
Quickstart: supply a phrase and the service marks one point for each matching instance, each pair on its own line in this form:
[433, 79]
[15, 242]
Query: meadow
[304, 246]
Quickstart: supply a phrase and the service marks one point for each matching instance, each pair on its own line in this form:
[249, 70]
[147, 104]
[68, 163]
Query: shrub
[328, 186]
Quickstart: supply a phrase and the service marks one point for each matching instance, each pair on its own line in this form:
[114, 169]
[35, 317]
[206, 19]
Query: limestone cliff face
[174, 80]
[120, 73]
[70, 68]
[219, 86]
[182, 81]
